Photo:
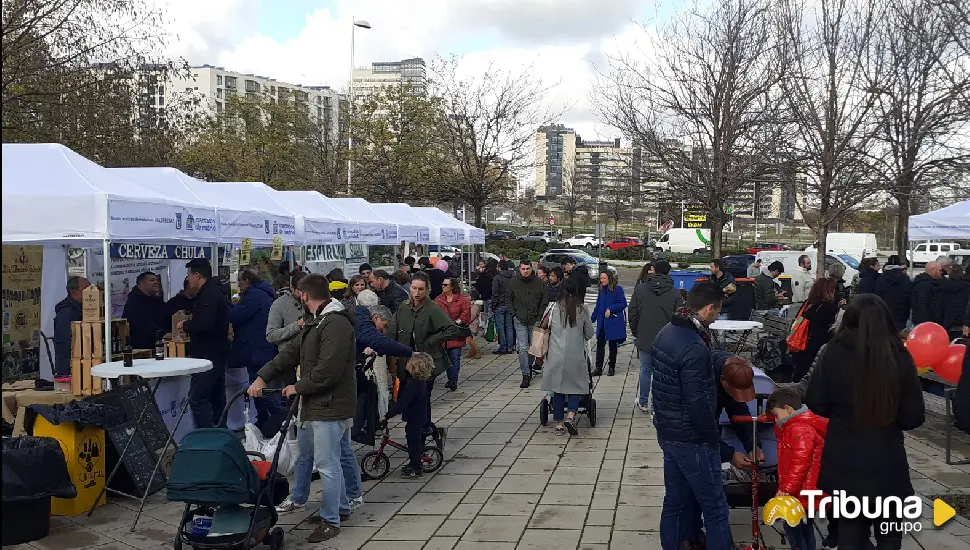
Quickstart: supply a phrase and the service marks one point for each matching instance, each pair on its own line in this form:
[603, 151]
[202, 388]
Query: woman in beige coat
[566, 370]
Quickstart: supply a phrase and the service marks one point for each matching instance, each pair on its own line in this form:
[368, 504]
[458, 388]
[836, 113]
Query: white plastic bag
[255, 442]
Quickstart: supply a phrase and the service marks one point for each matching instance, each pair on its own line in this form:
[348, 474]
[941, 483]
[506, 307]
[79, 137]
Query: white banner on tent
[251, 225]
[123, 275]
[200, 224]
[450, 235]
[317, 231]
[422, 236]
[377, 234]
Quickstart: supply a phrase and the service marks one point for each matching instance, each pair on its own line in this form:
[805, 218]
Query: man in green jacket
[327, 354]
[423, 326]
[527, 300]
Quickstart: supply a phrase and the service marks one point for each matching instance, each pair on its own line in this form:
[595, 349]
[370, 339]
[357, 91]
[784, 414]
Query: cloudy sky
[308, 41]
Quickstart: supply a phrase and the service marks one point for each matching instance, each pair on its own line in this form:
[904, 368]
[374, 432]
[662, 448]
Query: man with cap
[693, 381]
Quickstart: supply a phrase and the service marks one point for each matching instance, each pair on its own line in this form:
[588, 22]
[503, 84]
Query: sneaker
[344, 516]
[324, 531]
[570, 424]
[408, 473]
[356, 503]
[597, 372]
[452, 385]
[643, 408]
[611, 372]
[526, 380]
[288, 506]
[499, 351]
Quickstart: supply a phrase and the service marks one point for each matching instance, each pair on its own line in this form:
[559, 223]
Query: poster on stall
[277, 249]
[22, 269]
[124, 272]
[321, 258]
[245, 252]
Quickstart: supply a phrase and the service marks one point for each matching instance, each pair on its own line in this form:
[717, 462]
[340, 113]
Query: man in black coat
[390, 294]
[209, 332]
[66, 311]
[896, 289]
[579, 272]
[926, 295]
[146, 312]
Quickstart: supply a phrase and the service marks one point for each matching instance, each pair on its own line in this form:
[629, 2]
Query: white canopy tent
[413, 232]
[321, 223]
[952, 222]
[258, 196]
[448, 230]
[374, 228]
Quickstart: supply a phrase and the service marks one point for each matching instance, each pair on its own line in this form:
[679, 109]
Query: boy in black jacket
[412, 404]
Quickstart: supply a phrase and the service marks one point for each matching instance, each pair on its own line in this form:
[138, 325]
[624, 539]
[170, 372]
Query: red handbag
[798, 337]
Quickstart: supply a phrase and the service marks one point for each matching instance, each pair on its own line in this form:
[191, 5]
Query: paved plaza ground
[510, 483]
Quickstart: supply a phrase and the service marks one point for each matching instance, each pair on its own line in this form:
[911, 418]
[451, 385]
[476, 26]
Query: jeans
[265, 406]
[207, 395]
[303, 471]
[454, 357]
[414, 434]
[854, 532]
[692, 477]
[328, 440]
[523, 337]
[646, 377]
[503, 325]
[801, 537]
[562, 401]
[601, 351]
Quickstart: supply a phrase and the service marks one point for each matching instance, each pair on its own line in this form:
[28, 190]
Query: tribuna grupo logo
[890, 513]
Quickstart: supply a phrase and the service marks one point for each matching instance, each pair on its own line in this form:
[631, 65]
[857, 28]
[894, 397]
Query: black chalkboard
[138, 463]
[125, 404]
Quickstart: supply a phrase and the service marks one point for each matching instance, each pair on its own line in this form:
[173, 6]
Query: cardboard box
[83, 448]
[179, 335]
[92, 304]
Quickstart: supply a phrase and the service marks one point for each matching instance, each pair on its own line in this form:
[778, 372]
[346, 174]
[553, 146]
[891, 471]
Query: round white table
[143, 370]
[744, 327]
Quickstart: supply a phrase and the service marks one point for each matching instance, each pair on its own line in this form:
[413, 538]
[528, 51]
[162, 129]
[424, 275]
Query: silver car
[535, 236]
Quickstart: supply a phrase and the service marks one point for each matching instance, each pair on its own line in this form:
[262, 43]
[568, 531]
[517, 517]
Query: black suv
[500, 236]
[557, 256]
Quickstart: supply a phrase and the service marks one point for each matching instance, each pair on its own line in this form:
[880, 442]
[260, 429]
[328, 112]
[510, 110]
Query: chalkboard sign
[125, 404]
[138, 463]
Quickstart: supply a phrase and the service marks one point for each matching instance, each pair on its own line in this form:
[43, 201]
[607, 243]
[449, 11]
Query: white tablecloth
[735, 326]
[153, 368]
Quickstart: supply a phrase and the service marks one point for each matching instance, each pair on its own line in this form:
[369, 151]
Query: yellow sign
[22, 271]
[277, 248]
[942, 512]
[245, 251]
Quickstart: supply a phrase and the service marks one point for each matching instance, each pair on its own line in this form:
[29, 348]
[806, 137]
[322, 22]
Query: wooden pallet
[87, 350]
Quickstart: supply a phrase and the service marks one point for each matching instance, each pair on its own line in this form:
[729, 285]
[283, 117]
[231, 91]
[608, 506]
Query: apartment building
[389, 73]
[555, 159]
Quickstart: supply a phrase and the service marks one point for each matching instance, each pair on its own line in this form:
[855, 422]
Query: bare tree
[831, 105]
[527, 207]
[921, 110]
[575, 193]
[702, 101]
[489, 136]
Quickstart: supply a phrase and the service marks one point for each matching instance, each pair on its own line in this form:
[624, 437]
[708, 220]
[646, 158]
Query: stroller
[587, 404]
[229, 501]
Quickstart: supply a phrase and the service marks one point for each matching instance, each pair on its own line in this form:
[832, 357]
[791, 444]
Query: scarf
[709, 338]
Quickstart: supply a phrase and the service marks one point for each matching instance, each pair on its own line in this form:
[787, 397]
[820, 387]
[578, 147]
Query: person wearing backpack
[820, 312]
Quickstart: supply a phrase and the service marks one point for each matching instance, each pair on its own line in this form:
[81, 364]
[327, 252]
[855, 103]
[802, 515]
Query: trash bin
[34, 470]
[685, 279]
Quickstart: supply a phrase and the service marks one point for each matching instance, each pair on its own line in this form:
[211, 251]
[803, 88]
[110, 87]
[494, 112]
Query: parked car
[683, 240]
[737, 265]
[929, 252]
[767, 247]
[859, 245]
[624, 242]
[536, 236]
[557, 256]
[500, 235]
[962, 258]
[443, 250]
[583, 240]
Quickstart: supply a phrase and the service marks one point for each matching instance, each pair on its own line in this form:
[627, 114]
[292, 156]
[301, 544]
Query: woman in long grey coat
[565, 372]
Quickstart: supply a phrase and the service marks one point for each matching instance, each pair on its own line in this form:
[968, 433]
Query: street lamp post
[350, 102]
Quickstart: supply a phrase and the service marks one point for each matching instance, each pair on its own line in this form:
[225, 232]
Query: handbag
[490, 330]
[539, 344]
[798, 337]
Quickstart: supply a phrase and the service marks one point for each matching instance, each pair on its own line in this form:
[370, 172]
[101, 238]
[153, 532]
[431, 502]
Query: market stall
[952, 222]
[412, 229]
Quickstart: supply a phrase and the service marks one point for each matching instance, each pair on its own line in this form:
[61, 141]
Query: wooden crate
[174, 349]
[87, 350]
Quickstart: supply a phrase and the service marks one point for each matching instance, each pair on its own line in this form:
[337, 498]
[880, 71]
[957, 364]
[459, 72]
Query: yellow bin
[83, 447]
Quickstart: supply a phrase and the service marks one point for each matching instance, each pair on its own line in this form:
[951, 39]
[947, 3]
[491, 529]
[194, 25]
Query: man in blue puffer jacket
[690, 375]
[250, 350]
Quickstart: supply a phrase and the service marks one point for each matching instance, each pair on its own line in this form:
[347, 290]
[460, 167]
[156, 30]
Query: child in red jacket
[801, 438]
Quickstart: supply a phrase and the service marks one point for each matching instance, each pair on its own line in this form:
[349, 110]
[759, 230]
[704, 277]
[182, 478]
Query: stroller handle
[224, 418]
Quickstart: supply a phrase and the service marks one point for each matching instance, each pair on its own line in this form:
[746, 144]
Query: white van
[929, 252]
[684, 240]
[790, 260]
[860, 245]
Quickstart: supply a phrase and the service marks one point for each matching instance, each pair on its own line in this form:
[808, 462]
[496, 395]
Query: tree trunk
[478, 215]
[823, 233]
[902, 226]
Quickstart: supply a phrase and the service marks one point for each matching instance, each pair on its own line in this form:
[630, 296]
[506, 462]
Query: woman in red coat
[459, 308]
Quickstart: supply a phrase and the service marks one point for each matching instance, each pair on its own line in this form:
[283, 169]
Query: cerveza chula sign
[159, 252]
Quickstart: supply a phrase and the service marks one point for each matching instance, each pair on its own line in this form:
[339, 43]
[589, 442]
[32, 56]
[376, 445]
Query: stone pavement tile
[491, 438]
[453, 528]
[637, 518]
[441, 543]
[568, 495]
[477, 496]
[466, 466]
[506, 457]
[392, 492]
[465, 511]
[350, 538]
[462, 433]
[108, 517]
[618, 454]
[480, 451]
[558, 517]
[373, 514]
[634, 540]
[596, 535]
[65, 535]
[641, 495]
[148, 534]
[487, 483]
[582, 459]
[172, 515]
[638, 460]
[643, 446]
[534, 465]
[485, 546]
[544, 539]
[580, 444]
[573, 474]
[496, 471]
[395, 545]
[502, 427]
[531, 483]
[510, 505]
[643, 476]
[938, 540]
[612, 470]
[403, 527]
[537, 450]
[432, 504]
[457, 483]
[603, 502]
[600, 518]
[495, 529]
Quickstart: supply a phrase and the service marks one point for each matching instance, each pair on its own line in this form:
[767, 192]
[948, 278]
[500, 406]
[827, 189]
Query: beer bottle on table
[159, 346]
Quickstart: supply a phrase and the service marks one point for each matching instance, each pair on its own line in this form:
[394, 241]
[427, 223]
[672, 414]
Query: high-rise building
[389, 73]
[555, 159]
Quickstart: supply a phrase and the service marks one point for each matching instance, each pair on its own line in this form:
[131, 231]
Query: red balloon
[951, 366]
[927, 343]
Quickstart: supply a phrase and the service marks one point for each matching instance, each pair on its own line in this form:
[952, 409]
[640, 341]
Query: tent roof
[952, 222]
[321, 222]
[259, 197]
[414, 229]
[53, 195]
[374, 227]
[450, 230]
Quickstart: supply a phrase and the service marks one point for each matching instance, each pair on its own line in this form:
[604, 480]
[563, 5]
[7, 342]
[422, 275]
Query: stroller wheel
[544, 411]
[374, 465]
[431, 458]
[276, 539]
[591, 412]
